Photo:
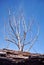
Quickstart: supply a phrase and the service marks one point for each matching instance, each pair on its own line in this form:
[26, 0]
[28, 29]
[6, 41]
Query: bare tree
[19, 34]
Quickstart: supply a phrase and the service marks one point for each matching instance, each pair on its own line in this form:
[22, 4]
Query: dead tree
[17, 38]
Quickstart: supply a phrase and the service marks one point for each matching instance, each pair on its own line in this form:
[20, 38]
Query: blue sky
[31, 8]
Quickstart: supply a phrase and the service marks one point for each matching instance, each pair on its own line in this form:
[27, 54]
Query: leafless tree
[17, 36]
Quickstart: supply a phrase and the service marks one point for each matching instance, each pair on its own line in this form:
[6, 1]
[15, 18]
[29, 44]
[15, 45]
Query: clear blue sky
[31, 8]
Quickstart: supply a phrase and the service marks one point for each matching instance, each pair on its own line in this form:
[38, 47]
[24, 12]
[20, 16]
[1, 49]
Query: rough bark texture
[10, 57]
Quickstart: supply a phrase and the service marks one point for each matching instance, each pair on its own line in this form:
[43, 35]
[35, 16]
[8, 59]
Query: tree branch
[24, 29]
[12, 41]
[13, 30]
[33, 40]
[30, 25]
